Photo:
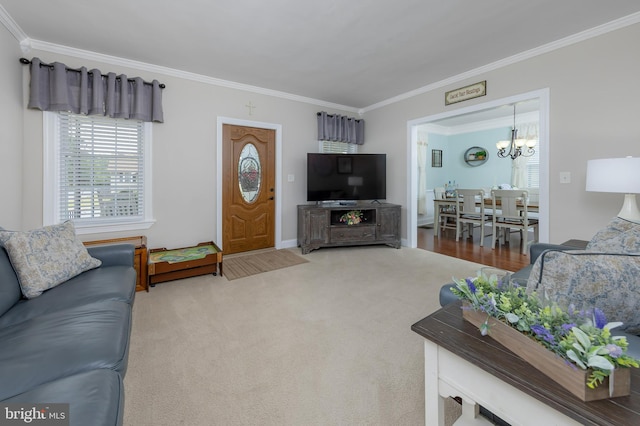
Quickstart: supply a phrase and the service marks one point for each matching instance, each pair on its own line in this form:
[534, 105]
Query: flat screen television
[346, 177]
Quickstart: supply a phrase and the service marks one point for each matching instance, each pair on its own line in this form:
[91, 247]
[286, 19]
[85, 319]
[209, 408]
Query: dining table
[532, 206]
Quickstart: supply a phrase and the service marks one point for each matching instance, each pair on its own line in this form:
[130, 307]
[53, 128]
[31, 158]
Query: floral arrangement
[581, 337]
[352, 217]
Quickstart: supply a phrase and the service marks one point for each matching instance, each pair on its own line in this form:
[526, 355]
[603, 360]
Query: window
[533, 170]
[97, 172]
[331, 147]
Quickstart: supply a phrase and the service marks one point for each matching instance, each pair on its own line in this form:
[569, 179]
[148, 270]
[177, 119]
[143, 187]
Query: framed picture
[436, 158]
[344, 165]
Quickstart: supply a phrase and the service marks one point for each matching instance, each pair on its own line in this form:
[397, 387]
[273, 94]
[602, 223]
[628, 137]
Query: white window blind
[101, 169]
[332, 147]
[533, 170]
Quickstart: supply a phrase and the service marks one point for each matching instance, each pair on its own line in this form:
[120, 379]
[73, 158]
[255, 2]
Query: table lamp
[620, 175]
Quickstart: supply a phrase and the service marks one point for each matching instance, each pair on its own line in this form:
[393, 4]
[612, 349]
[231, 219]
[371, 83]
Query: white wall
[593, 106]
[11, 131]
[184, 154]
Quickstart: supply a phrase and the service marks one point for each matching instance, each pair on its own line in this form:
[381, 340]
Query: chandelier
[517, 146]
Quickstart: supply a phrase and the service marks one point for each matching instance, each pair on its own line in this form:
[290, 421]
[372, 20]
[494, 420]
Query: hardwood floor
[507, 256]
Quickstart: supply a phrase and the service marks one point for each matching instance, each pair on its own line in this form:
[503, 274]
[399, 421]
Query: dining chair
[470, 211]
[534, 198]
[446, 212]
[447, 218]
[510, 210]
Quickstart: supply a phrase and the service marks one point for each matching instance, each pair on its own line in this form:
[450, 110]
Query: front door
[248, 188]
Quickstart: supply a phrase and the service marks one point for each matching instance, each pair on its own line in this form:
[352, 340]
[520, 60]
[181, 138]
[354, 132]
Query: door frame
[278, 173]
[543, 145]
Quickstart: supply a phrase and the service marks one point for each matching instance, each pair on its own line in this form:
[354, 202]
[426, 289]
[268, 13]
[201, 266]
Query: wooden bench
[185, 262]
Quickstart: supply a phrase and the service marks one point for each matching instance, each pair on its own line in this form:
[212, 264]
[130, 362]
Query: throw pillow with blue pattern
[607, 281]
[46, 257]
[619, 236]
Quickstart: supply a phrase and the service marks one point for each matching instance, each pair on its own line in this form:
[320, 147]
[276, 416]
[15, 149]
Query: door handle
[271, 198]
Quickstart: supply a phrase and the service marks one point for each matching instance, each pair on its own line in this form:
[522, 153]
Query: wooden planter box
[557, 369]
[175, 264]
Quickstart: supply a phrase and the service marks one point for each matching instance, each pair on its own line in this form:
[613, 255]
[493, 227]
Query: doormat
[252, 264]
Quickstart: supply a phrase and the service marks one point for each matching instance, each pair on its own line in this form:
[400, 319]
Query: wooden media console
[321, 225]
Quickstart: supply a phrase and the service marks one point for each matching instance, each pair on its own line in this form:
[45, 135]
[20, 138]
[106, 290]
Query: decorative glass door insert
[249, 173]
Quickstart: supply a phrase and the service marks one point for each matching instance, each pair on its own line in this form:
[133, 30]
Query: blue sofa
[71, 343]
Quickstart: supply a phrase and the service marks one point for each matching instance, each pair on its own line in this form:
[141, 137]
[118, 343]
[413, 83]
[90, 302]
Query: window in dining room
[533, 170]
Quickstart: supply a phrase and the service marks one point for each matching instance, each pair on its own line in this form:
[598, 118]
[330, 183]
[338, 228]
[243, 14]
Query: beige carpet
[327, 342]
[256, 263]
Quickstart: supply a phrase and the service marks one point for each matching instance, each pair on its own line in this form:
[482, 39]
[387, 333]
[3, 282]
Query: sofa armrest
[536, 249]
[113, 255]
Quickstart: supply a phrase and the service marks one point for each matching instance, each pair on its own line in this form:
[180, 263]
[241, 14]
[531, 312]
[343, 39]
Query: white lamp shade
[614, 175]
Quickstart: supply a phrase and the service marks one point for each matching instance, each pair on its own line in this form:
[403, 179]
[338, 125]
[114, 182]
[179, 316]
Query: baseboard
[285, 244]
[288, 244]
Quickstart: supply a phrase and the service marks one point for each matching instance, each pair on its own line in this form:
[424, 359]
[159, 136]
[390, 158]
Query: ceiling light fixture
[516, 144]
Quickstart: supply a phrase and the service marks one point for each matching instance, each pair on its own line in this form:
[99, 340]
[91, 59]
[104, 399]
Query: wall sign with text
[465, 93]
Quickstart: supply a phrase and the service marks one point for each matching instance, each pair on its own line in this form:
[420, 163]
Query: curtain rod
[25, 61]
[333, 115]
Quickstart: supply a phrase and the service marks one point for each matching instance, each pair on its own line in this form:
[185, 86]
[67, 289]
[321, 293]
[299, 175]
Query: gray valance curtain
[55, 87]
[340, 128]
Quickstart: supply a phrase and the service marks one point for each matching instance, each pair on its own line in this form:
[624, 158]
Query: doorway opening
[494, 110]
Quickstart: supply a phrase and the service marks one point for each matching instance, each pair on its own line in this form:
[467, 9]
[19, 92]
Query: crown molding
[27, 44]
[528, 54]
[12, 25]
[172, 72]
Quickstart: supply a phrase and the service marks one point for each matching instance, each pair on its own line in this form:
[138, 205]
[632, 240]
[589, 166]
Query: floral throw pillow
[46, 257]
[619, 236]
[607, 281]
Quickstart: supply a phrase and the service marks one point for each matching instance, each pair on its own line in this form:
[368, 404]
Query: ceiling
[350, 53]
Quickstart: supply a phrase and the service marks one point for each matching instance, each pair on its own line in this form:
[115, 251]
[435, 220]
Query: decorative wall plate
[476, 156]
